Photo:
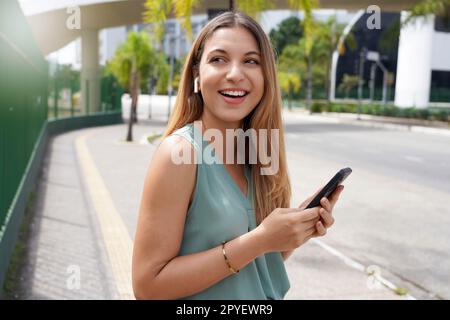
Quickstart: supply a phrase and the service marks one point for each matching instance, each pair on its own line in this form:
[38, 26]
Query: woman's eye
[220, 60]
[252, 61]
[216, 59]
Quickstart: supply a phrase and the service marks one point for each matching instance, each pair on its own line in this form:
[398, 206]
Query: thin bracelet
[226, 259]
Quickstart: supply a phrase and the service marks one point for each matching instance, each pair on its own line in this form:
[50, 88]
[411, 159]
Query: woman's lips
[234, 100]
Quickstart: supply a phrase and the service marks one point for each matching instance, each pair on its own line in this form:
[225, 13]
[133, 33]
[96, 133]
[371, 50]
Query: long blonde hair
[271, 191]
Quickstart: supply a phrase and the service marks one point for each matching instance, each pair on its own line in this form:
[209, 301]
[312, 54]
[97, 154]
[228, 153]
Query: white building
[422, 50]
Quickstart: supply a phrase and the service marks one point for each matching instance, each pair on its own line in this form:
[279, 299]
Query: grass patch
[11, 288]
[401, 291]
[154, 136]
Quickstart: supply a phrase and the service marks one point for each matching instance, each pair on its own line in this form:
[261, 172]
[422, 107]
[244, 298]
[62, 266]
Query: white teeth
[234, 93]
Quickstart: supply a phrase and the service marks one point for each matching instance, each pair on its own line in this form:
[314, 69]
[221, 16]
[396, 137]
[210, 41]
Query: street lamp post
[375, 57]
[362, 58]
[172, 39]
[169, 87]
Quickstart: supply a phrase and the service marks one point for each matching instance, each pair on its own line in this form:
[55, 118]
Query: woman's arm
[286, 254]
[158, 271]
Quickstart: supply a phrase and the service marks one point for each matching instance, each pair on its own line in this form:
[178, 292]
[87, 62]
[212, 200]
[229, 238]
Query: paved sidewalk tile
[65, 234]
[64, 245]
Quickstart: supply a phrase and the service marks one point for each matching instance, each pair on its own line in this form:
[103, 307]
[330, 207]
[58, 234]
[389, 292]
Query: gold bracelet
[226, 259]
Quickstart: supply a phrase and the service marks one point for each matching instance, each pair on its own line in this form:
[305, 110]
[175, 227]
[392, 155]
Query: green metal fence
[34, 106]
[23, 99]
[64, 95]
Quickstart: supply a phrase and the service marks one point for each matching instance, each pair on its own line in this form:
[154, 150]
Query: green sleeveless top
[220, 212]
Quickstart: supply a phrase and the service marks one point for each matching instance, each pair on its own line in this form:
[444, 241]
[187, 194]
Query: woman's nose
[235, 73]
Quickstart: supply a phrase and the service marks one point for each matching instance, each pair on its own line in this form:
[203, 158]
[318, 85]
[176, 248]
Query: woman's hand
[326, 212]
[285, 229]
[288, 228]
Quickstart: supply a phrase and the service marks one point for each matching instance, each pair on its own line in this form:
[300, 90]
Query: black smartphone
[330, 187]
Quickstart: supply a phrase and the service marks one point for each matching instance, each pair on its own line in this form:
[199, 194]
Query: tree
[156, 11]
[348, 83]
[290, 67]
[389, 37]
[426, 7]
[130, 64]
[328, 36]
[289, 31]
[290, 83]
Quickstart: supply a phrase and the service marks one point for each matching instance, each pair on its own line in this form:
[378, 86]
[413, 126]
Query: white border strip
[358, 266]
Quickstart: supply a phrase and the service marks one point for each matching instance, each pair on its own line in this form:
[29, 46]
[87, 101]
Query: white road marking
[358, 266]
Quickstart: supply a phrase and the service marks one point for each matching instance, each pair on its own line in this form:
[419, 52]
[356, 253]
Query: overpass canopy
[48, 17]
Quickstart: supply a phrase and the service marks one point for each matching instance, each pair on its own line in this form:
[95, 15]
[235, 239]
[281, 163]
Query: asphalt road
[394, 212]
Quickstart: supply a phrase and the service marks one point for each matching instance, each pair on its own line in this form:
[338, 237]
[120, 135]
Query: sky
[30, 7]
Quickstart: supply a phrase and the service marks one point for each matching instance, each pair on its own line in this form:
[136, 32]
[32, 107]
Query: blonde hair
[270, 191]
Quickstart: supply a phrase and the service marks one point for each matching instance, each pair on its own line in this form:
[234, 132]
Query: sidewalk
[86, 213]
[390, 123]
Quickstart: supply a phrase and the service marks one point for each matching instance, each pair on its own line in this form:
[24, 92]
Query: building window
[442, 24]
[440, 86]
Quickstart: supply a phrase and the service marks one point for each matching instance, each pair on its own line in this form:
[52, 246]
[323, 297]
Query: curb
[367, 122]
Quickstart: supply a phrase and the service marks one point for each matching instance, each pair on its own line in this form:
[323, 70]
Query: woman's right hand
[288, 228]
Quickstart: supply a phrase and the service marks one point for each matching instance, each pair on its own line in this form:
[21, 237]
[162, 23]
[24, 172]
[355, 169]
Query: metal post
[362, 56]
[55, 105]
[169, 88]
[150, 95]
[71, 97]
[231, 5]
[87, 98]
[373, 68]
[385, 79]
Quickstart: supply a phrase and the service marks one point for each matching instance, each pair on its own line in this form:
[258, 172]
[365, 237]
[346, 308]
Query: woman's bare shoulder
[166, 170]
[175, 150]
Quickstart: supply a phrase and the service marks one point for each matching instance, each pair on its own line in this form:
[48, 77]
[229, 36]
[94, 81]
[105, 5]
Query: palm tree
[130, 64]
[329, 33]
[289, 83]
[426, 7]
[348, 83]
[156, 11]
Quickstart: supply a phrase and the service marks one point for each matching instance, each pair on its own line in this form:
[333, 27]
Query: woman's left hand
[326, 212]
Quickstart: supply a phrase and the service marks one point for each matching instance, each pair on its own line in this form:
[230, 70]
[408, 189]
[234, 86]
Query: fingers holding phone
[326, 212]
[310, 198]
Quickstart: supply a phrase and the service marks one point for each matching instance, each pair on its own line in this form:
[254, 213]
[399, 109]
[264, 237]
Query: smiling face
[231, 76]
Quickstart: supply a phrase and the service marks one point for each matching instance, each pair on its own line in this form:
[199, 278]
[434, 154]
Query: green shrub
[318, 106]
[432, 113]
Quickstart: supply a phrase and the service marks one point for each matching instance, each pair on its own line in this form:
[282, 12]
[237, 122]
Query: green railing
[23, 99]
[33, 107]
[64, 96]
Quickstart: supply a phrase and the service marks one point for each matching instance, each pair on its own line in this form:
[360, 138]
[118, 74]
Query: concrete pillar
[90, 71]
[413, 81]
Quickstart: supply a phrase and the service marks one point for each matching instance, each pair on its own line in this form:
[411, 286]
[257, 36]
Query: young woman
[221, 230]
